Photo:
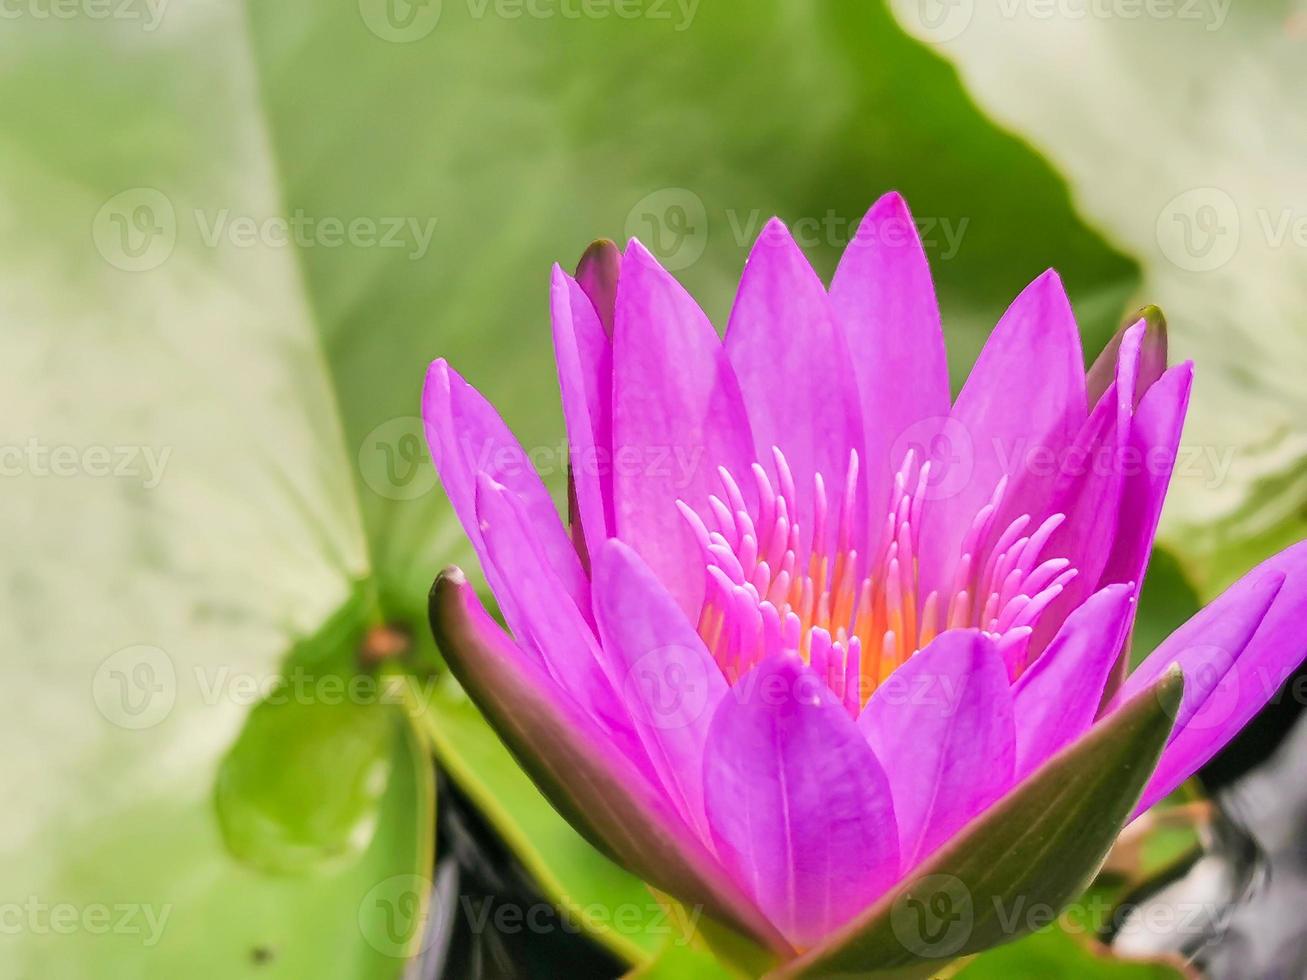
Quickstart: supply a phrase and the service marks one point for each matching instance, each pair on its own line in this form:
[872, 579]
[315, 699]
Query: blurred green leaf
[1182, 137]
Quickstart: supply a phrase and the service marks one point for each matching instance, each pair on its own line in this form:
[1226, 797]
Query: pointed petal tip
[891, 203]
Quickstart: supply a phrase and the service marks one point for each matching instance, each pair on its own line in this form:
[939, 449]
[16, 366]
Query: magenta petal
[799, 806]
[1154, 444]
[592, 785]
[884, 298]
[467, 437]
[1152, 357]
[585, 377]
[943, 722]
[1056, 699]
[792, 363]
[677, 416]
[1235, 653]
[544, 620]
[1025, 394]
[671, 684]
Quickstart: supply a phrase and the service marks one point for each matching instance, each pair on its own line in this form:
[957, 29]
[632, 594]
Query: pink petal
[1056, 699]
[883, 296]
[799, 807]
[1025, 393]
[467, 437]
[1235, 653]
[585, 377]
[544, 619]
[677, 416]
[943, 724]
[1152, 358]
[792, 363]
[1155, 441]
[671, 684]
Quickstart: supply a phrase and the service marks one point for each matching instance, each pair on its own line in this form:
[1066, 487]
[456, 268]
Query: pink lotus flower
[814, 623]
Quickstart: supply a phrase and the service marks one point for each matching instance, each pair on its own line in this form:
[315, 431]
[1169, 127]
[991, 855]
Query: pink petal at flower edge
[544, 620]
[943, 725]
[677, 416]
[467, 437]
[1239, 649]
[669, 681]
[584, 357]
[799, 806]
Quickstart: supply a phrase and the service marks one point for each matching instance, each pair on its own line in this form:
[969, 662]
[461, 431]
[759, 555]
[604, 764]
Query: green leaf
[1052, 952]
[677, 960]
[1184, 151]
[1012, 869]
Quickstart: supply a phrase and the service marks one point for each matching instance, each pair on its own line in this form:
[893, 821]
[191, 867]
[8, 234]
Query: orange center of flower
[856, 616]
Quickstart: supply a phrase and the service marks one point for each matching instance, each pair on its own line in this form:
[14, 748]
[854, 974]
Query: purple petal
[544, 620]
[792, 363]
[943, 722]
[671, 684]
[677, 416]
[1152, 359]
[1236, 653]
[1055, 701]
[799, 807]
[883, 296]
[1026, 394]
[585, 378]
[467, 437]
[567, 755]
[1154, 443]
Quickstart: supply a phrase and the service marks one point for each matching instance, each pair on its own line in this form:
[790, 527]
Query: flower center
[853, 615]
